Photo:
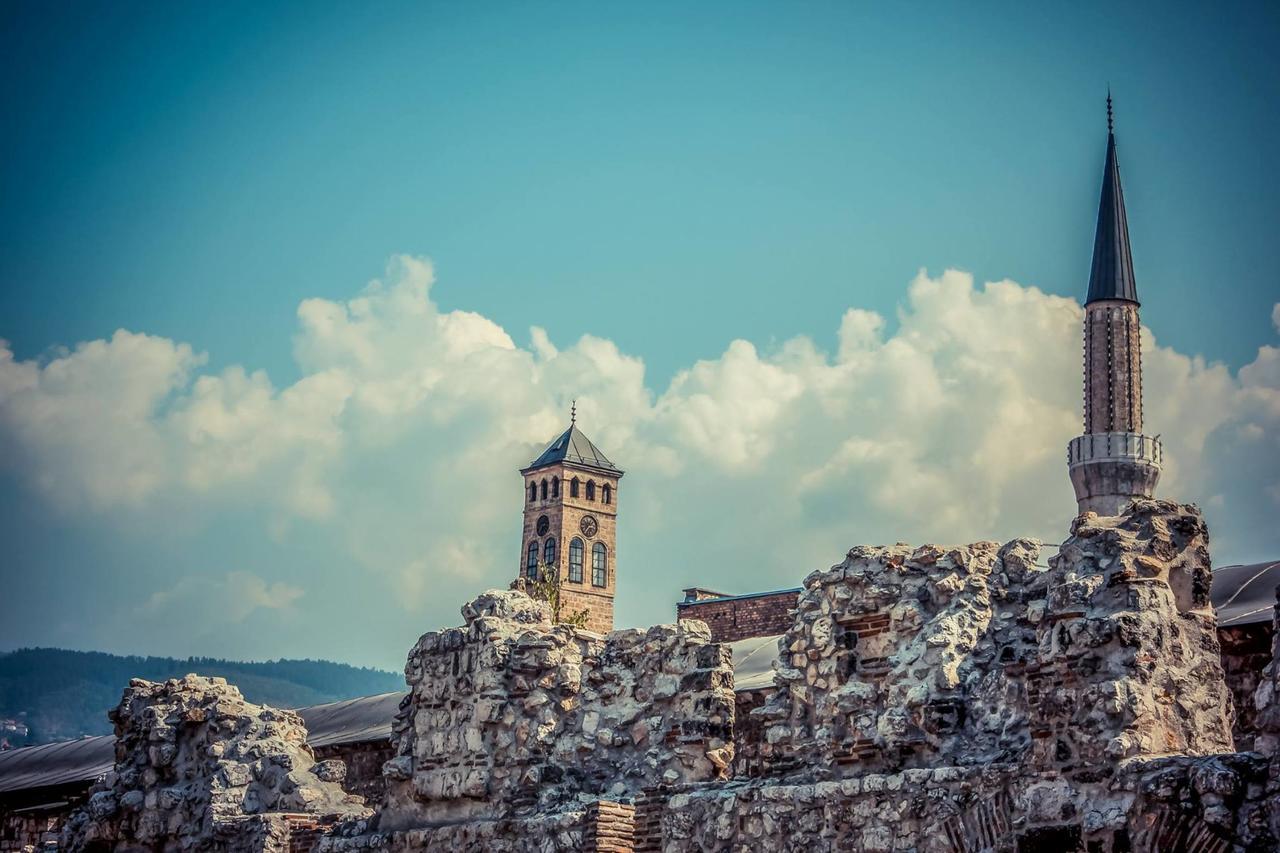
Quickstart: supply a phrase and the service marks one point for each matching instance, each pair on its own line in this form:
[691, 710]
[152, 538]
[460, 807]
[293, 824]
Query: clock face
[589, 526]
[543, 525]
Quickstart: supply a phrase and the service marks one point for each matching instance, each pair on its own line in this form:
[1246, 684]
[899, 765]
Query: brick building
[571, 525]
[739, 617]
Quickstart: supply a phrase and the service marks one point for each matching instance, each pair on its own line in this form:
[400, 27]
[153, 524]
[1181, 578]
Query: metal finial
[573, 413]
[1110, 119]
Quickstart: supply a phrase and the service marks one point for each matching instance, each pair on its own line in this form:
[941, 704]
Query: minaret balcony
[1115, 447]
[1110, 469]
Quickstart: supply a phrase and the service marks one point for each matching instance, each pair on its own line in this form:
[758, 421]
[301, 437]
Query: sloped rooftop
[575, 448]
[1246, 594]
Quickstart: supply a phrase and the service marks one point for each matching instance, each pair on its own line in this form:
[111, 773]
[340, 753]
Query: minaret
[1113, 462]
[571, 524]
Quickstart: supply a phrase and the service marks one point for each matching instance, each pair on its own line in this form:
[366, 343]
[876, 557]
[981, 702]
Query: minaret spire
[1112, 274]
[1112, 462]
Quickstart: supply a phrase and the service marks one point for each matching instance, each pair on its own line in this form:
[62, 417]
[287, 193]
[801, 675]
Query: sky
[289, 294]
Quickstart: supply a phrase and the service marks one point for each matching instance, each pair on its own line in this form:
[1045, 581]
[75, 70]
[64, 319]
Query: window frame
[577, 548]
[599, 567]
[549, 553]
[531, 560]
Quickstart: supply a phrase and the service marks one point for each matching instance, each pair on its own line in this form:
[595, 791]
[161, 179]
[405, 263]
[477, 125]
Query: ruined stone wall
[1246, 651]
[1266, 698]
[33, 830]
[906, 657]
[1128, 661]
[898, 658]
[197, 767]
[511, 715]
[1210, 804]
[363, 762]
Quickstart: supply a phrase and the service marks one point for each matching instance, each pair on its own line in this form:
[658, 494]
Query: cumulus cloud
[398, 445]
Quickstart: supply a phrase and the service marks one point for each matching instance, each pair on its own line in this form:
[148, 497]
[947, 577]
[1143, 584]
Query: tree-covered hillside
[63, 694]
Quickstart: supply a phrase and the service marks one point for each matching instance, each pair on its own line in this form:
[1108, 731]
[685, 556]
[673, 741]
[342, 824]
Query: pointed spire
[1112, 274]
[573, 413]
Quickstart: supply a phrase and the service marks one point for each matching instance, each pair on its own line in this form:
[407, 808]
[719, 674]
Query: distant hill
[61, 694]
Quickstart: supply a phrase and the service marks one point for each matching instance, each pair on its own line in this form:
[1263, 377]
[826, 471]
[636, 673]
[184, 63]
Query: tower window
[575, 560]
[607, 491]
[573, 487]
[555, 487]
[544, 490]
[591, 490]
[531, 562]
[533, 492]
[599, 565]
[549, 555]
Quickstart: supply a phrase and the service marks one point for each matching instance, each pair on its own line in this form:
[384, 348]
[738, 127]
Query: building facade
[571, 525]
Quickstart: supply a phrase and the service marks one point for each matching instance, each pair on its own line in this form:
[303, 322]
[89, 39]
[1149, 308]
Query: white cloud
[398, 445]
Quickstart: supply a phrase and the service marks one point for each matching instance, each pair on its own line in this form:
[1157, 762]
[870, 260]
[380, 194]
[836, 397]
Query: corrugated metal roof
[359, 720]
[56, 763]
[753, 662]
[351, 721]
[1245, 595]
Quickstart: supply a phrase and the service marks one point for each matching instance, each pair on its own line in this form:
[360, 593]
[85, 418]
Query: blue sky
[667, 178]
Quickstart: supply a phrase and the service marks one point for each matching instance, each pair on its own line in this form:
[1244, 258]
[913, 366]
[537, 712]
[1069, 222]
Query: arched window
[549, 554]
[599, 565]
[607, 490]
[555, 487]
[544, 490]
[533, 492]
[591, 490]
[575, 560]
[531, 562]
[573, 487]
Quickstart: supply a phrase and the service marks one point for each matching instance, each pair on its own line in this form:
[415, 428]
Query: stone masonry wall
[1266, 699]
[1128, 661]
[199, 768]
[1246, 651]
[1209, 805]
[906, 657]
[898, 658]
[511, 715]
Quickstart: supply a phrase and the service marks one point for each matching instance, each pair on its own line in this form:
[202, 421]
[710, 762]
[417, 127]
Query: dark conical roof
[1112, 273]
[575, 448]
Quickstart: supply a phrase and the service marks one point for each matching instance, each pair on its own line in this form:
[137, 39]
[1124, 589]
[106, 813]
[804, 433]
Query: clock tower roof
[574, 448]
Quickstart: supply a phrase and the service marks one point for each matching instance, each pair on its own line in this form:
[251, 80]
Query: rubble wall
[898, 658]
[510, 715]
[1246, 651]
[903, 657]
[1128, 661]
[197, 767]
[1212, 804]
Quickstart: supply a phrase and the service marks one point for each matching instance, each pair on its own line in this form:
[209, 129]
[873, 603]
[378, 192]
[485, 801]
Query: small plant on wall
[547, 588]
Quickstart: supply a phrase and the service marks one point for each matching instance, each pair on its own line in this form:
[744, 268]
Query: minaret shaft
[1113, 367]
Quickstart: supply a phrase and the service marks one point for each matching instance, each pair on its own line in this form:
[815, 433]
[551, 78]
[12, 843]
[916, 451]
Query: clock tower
[570, 525]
